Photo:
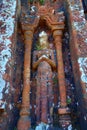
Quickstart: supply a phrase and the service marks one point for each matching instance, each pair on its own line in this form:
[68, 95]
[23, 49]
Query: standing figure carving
[44, 63]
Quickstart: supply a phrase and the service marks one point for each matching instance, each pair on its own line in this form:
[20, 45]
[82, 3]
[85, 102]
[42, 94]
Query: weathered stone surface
[10, 62]
[7, 61]
[78, 34]
[24, 123]
[44, 94]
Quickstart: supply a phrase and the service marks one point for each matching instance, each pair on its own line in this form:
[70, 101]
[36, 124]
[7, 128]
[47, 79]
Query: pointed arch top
[54, 20]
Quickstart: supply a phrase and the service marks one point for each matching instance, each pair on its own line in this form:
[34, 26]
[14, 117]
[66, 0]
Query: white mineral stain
[70, 127]
[42, 126]
[7, 20]
[10, 106]
[83, 68]
[85, 118]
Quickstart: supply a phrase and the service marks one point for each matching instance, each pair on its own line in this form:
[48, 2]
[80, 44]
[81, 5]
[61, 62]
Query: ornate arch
[29, 22]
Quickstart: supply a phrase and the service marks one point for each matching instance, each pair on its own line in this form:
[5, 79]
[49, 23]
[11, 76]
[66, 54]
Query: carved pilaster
[28, 35]
[60, 69]
[63, 111]
[57, 28]
[24, 121]
[28, 25]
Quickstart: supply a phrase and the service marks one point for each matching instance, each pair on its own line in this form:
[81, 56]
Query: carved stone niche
[46, 26]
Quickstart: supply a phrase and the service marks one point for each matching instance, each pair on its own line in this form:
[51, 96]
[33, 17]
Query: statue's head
[43, 40]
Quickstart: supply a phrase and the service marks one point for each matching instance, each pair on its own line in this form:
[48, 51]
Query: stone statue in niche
[43, 40]
[44, 63]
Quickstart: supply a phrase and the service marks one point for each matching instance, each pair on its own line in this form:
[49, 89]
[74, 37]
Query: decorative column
[63, 111]
[56, 22]
[24, 121]
[57, 34]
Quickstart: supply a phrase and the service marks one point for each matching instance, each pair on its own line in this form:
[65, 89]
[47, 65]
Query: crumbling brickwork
[78, 40]
[12, 58]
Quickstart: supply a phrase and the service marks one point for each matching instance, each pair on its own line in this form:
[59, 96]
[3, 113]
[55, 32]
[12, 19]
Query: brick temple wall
[78, 47]
[10, 78]
[11, 63]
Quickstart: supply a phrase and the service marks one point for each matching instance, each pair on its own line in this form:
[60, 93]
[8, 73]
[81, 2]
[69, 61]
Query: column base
[63, 111]
[64, 121]
[24, 123]
[64, 117]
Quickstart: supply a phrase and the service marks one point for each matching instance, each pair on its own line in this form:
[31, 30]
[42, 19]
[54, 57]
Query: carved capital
[58, 27]
[57, 38]
[58, 34]
[28, 35]
[63, 111]
[24, 112]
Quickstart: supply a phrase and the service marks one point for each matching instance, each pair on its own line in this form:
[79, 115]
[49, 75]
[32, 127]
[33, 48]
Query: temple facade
[43, 70]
